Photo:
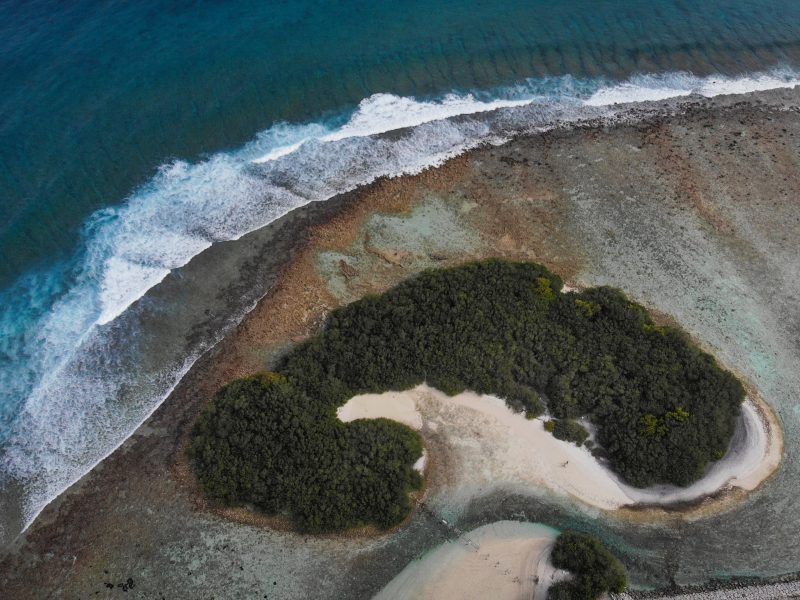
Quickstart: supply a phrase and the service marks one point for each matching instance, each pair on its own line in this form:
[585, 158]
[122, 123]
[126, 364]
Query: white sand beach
[489, 446]
[506, 560]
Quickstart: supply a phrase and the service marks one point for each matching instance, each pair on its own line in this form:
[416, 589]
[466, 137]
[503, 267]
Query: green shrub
[569, 431]
[595, 570]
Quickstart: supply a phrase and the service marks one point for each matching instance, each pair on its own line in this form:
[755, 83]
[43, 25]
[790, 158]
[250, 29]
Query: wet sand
[691, 209]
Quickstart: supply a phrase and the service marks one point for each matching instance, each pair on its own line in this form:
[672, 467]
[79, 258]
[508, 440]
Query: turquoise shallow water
[129, 131]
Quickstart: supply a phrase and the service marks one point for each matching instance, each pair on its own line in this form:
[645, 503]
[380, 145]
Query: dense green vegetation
[265, 443]
[662, 407]
[595, 570]
[567, 430]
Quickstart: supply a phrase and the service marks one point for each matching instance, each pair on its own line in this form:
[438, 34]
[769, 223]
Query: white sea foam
[630, 92]
[717, 86]
[386, 112]
[643, 88]
[278, 152]
[284, 138]
[86, 395]
[65, 365]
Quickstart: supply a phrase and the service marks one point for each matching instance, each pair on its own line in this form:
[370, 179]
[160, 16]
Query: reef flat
[690, 206]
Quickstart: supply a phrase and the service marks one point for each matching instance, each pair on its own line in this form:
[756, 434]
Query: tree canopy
[595, 570]
[265, 443]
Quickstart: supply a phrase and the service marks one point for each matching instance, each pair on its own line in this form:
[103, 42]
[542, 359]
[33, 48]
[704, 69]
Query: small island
[661, 407]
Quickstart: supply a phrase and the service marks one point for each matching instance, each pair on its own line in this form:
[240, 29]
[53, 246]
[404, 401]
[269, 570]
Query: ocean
[137, 135]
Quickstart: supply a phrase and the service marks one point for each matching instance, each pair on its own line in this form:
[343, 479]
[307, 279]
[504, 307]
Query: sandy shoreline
[671, 232]
[491, 446]
[506, 560]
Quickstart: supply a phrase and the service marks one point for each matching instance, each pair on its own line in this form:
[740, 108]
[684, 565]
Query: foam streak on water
[78, 370]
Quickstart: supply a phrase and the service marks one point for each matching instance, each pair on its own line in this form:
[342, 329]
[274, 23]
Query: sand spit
[488, 445]
[505, 560]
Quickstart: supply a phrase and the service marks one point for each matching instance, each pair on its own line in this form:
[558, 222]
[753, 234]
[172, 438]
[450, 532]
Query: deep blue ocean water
[133, 135]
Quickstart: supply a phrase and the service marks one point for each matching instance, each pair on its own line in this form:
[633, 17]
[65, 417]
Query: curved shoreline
[509, 449]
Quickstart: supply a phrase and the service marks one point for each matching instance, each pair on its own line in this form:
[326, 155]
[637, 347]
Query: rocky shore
[690, 205]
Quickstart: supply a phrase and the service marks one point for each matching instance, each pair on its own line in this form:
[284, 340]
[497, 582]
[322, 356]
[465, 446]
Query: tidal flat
[689, 206]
